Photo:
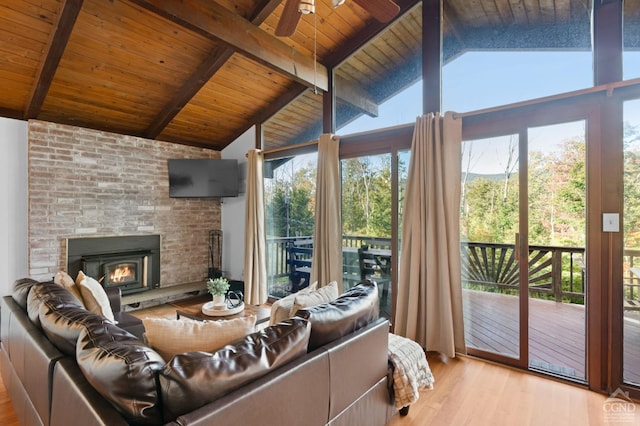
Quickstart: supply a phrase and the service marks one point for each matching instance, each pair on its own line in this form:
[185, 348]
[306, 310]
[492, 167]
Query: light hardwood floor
[7, 414]
[473, 392]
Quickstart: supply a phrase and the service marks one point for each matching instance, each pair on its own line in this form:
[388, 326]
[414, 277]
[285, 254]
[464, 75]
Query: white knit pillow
[324, 294]
[170, 336]
[94, 296]
[281, 308]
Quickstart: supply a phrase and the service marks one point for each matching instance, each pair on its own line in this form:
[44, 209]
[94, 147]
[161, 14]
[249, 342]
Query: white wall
[14, 196]
[233, 210]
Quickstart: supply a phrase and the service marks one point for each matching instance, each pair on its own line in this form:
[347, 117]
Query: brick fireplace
[85, 183]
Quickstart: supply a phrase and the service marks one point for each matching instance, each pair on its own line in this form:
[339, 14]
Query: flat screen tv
[203, 178]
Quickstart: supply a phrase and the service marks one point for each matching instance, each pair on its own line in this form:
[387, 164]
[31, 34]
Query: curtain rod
[294, 146]
[609, 88]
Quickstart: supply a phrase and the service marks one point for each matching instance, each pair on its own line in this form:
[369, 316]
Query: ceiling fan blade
[289, 19]
[381, 10]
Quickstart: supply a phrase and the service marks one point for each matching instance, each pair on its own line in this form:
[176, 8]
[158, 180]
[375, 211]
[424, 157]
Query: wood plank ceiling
[201, 72]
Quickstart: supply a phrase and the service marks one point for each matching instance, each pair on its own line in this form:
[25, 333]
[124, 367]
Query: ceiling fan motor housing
[307, 6]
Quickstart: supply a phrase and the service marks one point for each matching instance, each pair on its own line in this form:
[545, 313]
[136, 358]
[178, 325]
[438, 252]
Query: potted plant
[218, 289]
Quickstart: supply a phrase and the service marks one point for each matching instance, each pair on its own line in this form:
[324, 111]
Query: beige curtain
[255, 261]
[326, 263]
[429, 296]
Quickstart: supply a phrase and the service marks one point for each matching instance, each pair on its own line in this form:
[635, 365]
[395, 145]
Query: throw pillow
[322, 295]
[281, 308]
[170, 337]
[94, 297]
[63, 279]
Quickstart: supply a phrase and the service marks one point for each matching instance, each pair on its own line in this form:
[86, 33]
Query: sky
[478, 80]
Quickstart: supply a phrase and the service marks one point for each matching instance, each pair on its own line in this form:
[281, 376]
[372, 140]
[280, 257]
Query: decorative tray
[214, 311]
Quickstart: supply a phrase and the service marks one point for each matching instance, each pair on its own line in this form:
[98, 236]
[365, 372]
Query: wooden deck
[556, 333]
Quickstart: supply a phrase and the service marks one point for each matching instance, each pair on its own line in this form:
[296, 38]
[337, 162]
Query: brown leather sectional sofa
[63, 365]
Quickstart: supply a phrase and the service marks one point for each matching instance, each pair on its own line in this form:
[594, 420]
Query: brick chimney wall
[88, 183]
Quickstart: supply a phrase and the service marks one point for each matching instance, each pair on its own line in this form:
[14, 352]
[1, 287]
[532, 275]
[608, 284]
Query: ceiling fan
[381, 10]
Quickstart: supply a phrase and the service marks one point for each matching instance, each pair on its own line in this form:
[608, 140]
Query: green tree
[631, 186]
[290, 200]
[366, 196]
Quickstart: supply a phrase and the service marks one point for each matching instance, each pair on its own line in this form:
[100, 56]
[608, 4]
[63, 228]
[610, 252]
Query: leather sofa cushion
[123, 370]
[20, 291]
[63, 324]
[193, 379]
[351, 311]
[55, 297]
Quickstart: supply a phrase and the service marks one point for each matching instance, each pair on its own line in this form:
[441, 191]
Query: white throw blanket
[411, 372]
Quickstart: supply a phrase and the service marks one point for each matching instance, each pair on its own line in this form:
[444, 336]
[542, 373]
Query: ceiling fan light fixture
[337, 3]
[306, 7]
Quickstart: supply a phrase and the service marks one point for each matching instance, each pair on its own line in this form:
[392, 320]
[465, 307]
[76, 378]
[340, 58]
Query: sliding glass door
[372, 198]
[556, 217]
[631, 262]
[489, 227]
[523, 234]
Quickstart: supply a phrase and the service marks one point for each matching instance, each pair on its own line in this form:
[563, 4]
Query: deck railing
[556, 273]
[631, 280]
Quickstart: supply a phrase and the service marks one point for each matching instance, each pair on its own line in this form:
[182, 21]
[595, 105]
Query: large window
[631, 265]
[631, 41]
[478, 80]
[289, 220]
[517, 60]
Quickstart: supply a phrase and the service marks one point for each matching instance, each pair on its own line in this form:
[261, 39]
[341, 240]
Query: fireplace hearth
[130, 262]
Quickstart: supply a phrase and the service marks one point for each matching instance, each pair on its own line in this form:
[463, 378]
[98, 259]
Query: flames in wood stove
[123, 273]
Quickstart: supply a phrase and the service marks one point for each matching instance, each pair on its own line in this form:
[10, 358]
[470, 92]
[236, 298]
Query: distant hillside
[493, 177]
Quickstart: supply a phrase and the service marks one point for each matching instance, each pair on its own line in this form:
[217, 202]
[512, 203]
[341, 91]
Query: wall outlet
[610, 222]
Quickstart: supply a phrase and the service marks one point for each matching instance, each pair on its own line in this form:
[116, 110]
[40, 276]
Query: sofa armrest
[115, 298]
[124, 320]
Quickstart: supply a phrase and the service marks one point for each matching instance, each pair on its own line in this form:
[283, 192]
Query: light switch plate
[610, 222]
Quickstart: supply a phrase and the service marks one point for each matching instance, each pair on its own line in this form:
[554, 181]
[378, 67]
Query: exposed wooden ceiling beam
[11, 113]
[241, 35]
[274, 107]
[263, 10]
[202, 75]
[55, 49]
[192, 86]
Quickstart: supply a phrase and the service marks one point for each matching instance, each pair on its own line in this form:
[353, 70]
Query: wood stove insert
[131, 262]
